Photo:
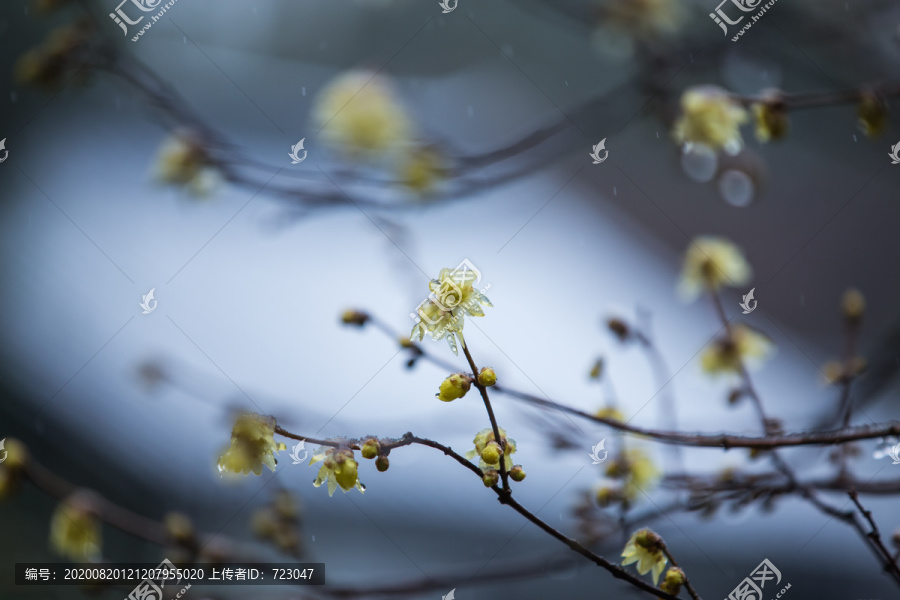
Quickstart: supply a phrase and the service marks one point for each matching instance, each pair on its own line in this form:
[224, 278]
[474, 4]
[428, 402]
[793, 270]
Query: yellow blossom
[711, 118]
[853, 305]
[711, 263]
[359, 114]
[15, 456]
[729, 353]
[454, 387]
[183, 161]
[611, 413]
[421, 170]
[487, 377]
[644, 19]
[442, 314]
[339, 469]
[61, 56]
[482, 440]
[75, 529]
[253, 445]
[673, 581]
[354, 317]
[637, 471]
[645, 548]
[873, 114]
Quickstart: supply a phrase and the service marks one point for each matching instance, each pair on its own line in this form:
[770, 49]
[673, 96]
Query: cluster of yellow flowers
[633, 473]
[489, 454]
[63, 54]
[443, 314]
[359, 114]
[279, 522]
[253, 445]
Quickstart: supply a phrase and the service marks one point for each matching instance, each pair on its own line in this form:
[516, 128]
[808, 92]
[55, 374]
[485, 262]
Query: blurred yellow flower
[63, 54]
[442, 314]
[253, 445]
[12, 467]
[637, 472]
[183, 161]
[75, 529]
[645, 548]
[711, 263]
[673, 581]
[483, 446]
[873, 114]
[422, 169]
[359, 114]
[611, 413]
[339, 469]
[644, 19]
[729, 353]
[711, 118]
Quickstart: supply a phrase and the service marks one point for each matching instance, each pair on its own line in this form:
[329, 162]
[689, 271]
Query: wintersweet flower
[644, 19]
[710, 117]
[183, 161]
[637, 472]
[75, 528]
[422, 169]
[711, 263]
[442, 314]
[11, 469]
[60, 58]
[673, 581]
[770, 120]
[730, 352]
[645, 548]
[339, 469]
[359, 114]
[488, 450]
[253, 445]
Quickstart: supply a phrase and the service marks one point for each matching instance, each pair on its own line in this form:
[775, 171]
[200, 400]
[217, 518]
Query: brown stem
[890, 565]
[490, 412]
[687, 582]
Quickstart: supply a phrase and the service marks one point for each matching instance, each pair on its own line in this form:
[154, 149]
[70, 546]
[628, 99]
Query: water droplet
[184, 39]
[736, 188]
[362, 486]
[567, 82]
[657, 135]
[615, 193]
[313, 538]
[303, 90]
[854, 137]
[470, 111]
[699, 162]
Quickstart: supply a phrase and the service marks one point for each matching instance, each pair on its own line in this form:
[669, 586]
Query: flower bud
[606, 496]
[491, 478]
[487, 377]
[853, 305]
[405, 342]
[382, 463]
[371, 448]
[354, 317]
[619, 328]
[645, 538]
[597, 369]
[491, 453]
[455, 386]
[517, 473]
[179, 527]
[673, 581]
[16, 454]
[873, 114]
[771, 120]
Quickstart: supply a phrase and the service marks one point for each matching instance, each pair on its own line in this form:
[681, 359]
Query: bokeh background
[251, 284]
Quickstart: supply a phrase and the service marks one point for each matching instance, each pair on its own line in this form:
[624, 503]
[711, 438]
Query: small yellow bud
[853, 305]
[619, 328]
[16, 454]
[491, 478]
[771, 120]
[382, 463]
[491, 453]
[673, 581]
[371, 448]
[455, 386]
[487, 377]
[606, 496]
[873, 114]
[405, 342]
[597, 369]
[354, 317]
[179, 527]
[517, 473]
